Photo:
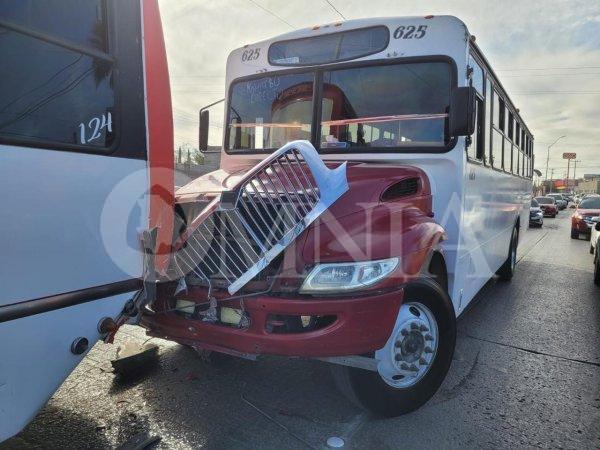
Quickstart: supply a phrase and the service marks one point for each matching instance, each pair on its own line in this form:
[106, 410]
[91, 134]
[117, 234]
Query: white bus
[438, 166]
[85, 127]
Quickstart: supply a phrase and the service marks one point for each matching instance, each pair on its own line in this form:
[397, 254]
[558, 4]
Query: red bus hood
[366, 184]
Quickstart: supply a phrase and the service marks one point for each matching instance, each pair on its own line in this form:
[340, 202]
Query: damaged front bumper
[349, 326]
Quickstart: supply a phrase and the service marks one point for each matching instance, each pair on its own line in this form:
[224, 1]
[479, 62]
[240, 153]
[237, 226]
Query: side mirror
[203, 130]
[462, 111]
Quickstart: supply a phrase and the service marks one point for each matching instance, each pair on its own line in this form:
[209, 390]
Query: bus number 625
[410, 32]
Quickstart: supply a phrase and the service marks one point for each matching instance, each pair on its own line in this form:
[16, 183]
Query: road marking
[276, 422]
[535, 352]
[533, 246]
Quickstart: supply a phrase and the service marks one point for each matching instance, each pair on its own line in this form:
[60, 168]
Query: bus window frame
[317, 110]
[305, 38]
[483, 97]
[110, 56]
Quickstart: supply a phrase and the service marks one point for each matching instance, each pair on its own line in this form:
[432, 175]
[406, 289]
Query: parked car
[560, 201]
[581, 220]
[536, 215]
[548, 206]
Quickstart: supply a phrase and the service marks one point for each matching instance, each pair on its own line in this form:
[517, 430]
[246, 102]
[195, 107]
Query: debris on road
[134, 359]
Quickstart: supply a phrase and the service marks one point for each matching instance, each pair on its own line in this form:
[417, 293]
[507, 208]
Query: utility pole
[551, 178]
[548, 155]
[575, 161]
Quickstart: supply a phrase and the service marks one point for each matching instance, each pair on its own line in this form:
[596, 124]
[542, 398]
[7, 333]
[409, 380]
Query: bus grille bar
[236, 237]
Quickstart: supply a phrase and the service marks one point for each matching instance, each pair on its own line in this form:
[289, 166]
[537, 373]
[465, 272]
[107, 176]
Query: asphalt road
[526, 373]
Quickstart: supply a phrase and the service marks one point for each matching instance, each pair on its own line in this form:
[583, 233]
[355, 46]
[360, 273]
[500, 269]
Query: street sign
[569, 155]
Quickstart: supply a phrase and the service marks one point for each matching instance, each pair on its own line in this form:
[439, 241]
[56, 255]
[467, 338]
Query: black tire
[554, 216]
[507, 270]
[369, 390]
[596, 269]
[574, 235]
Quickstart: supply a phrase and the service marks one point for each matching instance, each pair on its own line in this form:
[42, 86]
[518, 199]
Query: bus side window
[476, 149]
[532, 160]
[497, 131]
[478, 142]
[55, 93]
[489, 96]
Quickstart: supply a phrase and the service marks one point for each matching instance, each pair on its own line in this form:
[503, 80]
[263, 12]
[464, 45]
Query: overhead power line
[335, 9]
[556, 92]
[547, 68]
[268, 11]
[555, 75]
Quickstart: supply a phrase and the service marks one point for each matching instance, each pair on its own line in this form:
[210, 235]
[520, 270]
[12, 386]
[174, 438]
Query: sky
[546, 54]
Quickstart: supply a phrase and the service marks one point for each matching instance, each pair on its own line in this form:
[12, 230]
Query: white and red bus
[437, 164]
[85, 131]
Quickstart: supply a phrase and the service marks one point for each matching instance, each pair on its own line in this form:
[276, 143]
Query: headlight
[340, 277]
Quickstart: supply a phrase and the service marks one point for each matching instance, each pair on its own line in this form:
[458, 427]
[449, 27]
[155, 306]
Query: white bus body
[470, 199]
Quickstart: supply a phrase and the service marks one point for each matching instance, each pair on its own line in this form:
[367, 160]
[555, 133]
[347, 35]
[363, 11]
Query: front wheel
[414, 361]
[507, 270]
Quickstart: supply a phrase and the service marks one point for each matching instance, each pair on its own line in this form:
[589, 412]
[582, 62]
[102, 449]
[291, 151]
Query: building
[589, 185]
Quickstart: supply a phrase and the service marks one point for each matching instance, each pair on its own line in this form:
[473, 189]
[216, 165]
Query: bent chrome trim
[242, 231]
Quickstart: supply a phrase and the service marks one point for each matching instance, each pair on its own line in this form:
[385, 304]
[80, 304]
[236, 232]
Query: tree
[186, 154]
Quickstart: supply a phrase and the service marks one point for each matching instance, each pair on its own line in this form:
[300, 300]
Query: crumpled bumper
[362, 324]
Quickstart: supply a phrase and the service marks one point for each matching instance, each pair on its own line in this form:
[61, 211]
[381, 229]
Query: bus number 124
[95, 126]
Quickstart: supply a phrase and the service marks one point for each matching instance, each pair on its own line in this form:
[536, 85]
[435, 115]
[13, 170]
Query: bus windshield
[385, 107]
[401, 105]
[268, 112]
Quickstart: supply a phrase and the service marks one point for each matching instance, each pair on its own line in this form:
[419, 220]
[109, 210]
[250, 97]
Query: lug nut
[397, 344]
[404, 366]
[414, 368]
[404, 332]
[422, 361]
[428, 337]
[424, 328]
[414, 326]
[428, 350]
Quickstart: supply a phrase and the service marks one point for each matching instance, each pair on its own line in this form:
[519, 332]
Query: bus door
[85, 131]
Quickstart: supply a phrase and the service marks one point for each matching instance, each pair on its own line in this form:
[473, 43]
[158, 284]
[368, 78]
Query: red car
[581, 221]
[548, 205]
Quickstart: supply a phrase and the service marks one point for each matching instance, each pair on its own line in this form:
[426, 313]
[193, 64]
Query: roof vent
[403, 188]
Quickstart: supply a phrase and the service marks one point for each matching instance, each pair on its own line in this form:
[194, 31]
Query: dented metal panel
[236, 236]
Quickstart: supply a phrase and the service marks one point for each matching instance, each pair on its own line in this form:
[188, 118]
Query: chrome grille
[239, 234]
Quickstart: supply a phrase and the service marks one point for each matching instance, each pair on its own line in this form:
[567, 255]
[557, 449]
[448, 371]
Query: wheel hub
[411, 349]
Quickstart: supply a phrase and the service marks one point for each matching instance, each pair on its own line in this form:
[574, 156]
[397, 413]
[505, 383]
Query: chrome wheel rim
[411, 349]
